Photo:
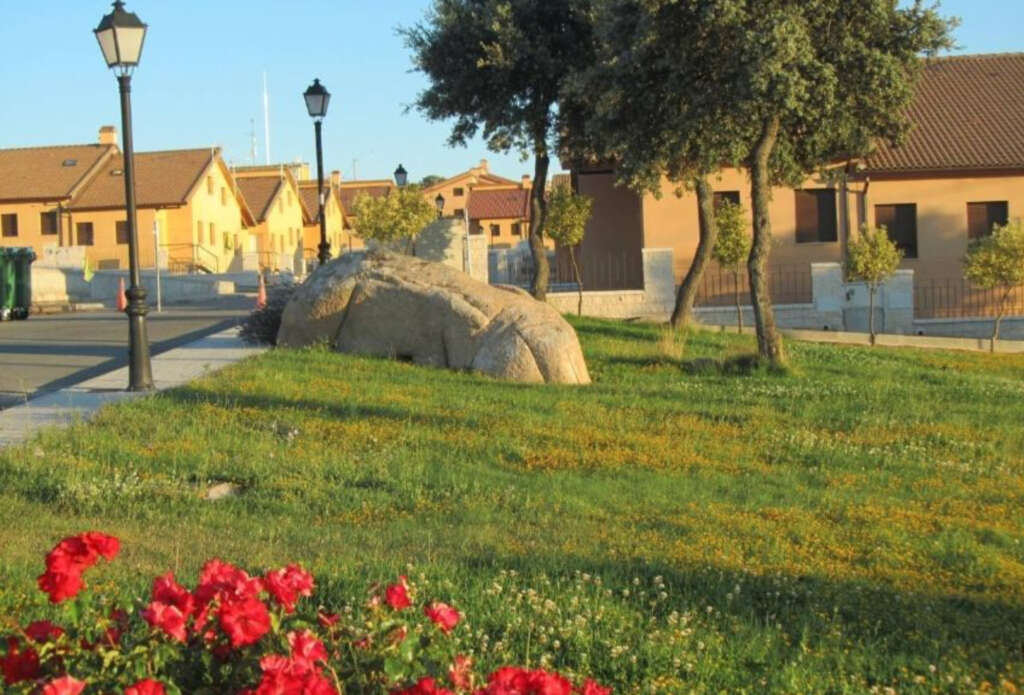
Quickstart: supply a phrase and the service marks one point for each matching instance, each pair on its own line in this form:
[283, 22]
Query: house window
[83, 233]
[209, 185]
[495, 230]
[458, 192]
[816, 215]
[458, 212]
[9, 223]
[723, 196]
[227, 241]
[981, 217]
[199, 232]
[901, 222]
[213, 235]
[223, 196]
[517, 229]
[48, 223]
[121, 231]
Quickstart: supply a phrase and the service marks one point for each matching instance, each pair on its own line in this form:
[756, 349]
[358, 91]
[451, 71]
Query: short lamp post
[121, 35]
[401, 176]
[439, 203]
[317, 99]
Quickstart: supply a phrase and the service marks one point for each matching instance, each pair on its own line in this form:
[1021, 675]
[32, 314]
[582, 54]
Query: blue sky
[200, 82]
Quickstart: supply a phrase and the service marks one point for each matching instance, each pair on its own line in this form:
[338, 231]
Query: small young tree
[997, 262]
[393, 218]
[732, 246]
[872, 258]
[568, 213]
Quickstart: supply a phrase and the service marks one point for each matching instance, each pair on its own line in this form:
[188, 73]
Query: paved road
[46, 353]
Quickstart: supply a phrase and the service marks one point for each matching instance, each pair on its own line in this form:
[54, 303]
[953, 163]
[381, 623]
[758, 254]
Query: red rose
[306, 649]
[425, 686]
[283, 676]
[166, 590]
[19, 665]
[146, 687]
[60, 585]
[223, 581]
[443, 615]
[244, 621]
[397, 595]
[461, 673]
[592, 688]
[65, 685]
[43, 631]
[166, 617]
[287, 584]
[69, 559]
[101, 544]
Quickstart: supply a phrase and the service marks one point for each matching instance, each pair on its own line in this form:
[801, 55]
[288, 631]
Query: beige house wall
[214, 220]
[105, 252]
[336, 236]
[453, 204]
[505, 237]
[942, 215]
[30, 226]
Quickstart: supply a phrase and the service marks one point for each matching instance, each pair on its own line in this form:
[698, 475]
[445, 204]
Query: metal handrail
[196, 251]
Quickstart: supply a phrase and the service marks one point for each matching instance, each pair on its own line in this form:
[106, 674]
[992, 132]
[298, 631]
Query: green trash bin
[23, 259]
[7, 283]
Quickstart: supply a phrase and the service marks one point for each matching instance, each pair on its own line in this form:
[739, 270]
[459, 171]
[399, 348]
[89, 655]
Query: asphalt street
[49, 352]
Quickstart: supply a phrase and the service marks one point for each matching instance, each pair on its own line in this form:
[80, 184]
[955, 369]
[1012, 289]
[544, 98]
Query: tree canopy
[393, 218]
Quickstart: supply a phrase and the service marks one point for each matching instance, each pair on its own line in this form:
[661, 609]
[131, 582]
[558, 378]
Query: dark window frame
[900, 221]
[458, 192]
[9, 225]
[89, 229]
[49, 223]
[517, 229]
[722, 196]
[983, 215]
[495, 230]
[121, 234]
[817, 215]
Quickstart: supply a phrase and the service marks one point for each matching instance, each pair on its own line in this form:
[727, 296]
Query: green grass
[852, 525]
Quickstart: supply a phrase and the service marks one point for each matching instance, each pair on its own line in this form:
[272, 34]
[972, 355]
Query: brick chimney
[483, 166]
[335, 178]
[108, 135]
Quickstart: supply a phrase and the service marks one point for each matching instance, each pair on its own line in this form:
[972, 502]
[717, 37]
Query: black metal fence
[787, 284]
[597, 272]
[958, 298]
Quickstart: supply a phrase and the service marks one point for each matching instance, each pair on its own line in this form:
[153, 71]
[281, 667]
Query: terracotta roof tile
[310, 201]
[47, 173]
[968, 113]
[259, 193]
[500, 203]
[350, 190]
[161, 179]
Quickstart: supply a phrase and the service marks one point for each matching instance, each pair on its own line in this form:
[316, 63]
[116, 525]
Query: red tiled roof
[259, 193]
[161, 179]
[310, 201]
[967, 113]
[47, 173]
[348, 193]
[499, 204]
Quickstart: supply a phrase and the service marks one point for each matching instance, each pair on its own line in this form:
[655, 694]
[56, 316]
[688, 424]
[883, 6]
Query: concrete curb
[921, 342]
[81, 401]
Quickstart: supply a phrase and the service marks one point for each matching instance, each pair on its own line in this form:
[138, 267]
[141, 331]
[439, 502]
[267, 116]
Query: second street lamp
[317, 99]
[401, 176]
[439, 203]
[121, 35]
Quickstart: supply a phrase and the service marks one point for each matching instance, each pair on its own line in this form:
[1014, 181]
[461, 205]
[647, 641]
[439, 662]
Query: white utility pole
[156, 247]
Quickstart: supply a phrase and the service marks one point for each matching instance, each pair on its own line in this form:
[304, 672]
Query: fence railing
[191, 258]
[597, 271]
[787, 284]
[958, 298]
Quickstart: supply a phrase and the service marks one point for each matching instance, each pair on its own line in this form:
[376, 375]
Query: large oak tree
[499, 67]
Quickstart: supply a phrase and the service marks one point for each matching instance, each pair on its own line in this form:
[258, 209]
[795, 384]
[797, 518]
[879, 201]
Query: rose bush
[246, 634]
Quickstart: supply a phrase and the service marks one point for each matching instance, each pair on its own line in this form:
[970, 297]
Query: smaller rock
[222, 490]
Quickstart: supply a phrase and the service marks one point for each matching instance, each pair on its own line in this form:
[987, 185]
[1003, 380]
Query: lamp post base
[140, 373]
[324, 253]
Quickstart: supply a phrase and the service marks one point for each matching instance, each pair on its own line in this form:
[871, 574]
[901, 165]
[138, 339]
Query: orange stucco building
[278, 216]
[960, 170]
[457, 189]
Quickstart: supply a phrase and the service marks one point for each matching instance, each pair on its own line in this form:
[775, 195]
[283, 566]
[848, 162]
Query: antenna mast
[252, 141]
[266, 118]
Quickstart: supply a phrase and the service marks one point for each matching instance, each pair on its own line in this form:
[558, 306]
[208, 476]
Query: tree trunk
[683, 310]
[871, 313]
[579, 280]
[769, 342]
[736, 296]
[538, 214]
[999, 320]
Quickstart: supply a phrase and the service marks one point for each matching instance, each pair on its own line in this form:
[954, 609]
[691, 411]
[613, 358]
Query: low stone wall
[1012, 327]
[786, 316]
[68, 285]
[655, 300]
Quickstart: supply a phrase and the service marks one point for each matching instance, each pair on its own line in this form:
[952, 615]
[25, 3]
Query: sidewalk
[172, 368]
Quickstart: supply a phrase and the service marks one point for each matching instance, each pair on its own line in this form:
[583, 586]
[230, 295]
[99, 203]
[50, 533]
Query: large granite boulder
[398, 306]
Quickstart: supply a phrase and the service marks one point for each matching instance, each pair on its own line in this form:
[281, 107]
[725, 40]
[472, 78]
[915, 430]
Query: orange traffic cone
[261, 294]
[122, 300]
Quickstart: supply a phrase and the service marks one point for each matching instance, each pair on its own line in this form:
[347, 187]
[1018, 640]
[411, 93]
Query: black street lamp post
[317, 99]
[439, 203]
[121, 35]
[401, 176]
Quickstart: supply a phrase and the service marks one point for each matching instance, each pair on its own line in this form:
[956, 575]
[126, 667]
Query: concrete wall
[444, 241]
[656, 299]
[67, 285]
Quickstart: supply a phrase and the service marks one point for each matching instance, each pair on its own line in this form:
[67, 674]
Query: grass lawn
[851, 527]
